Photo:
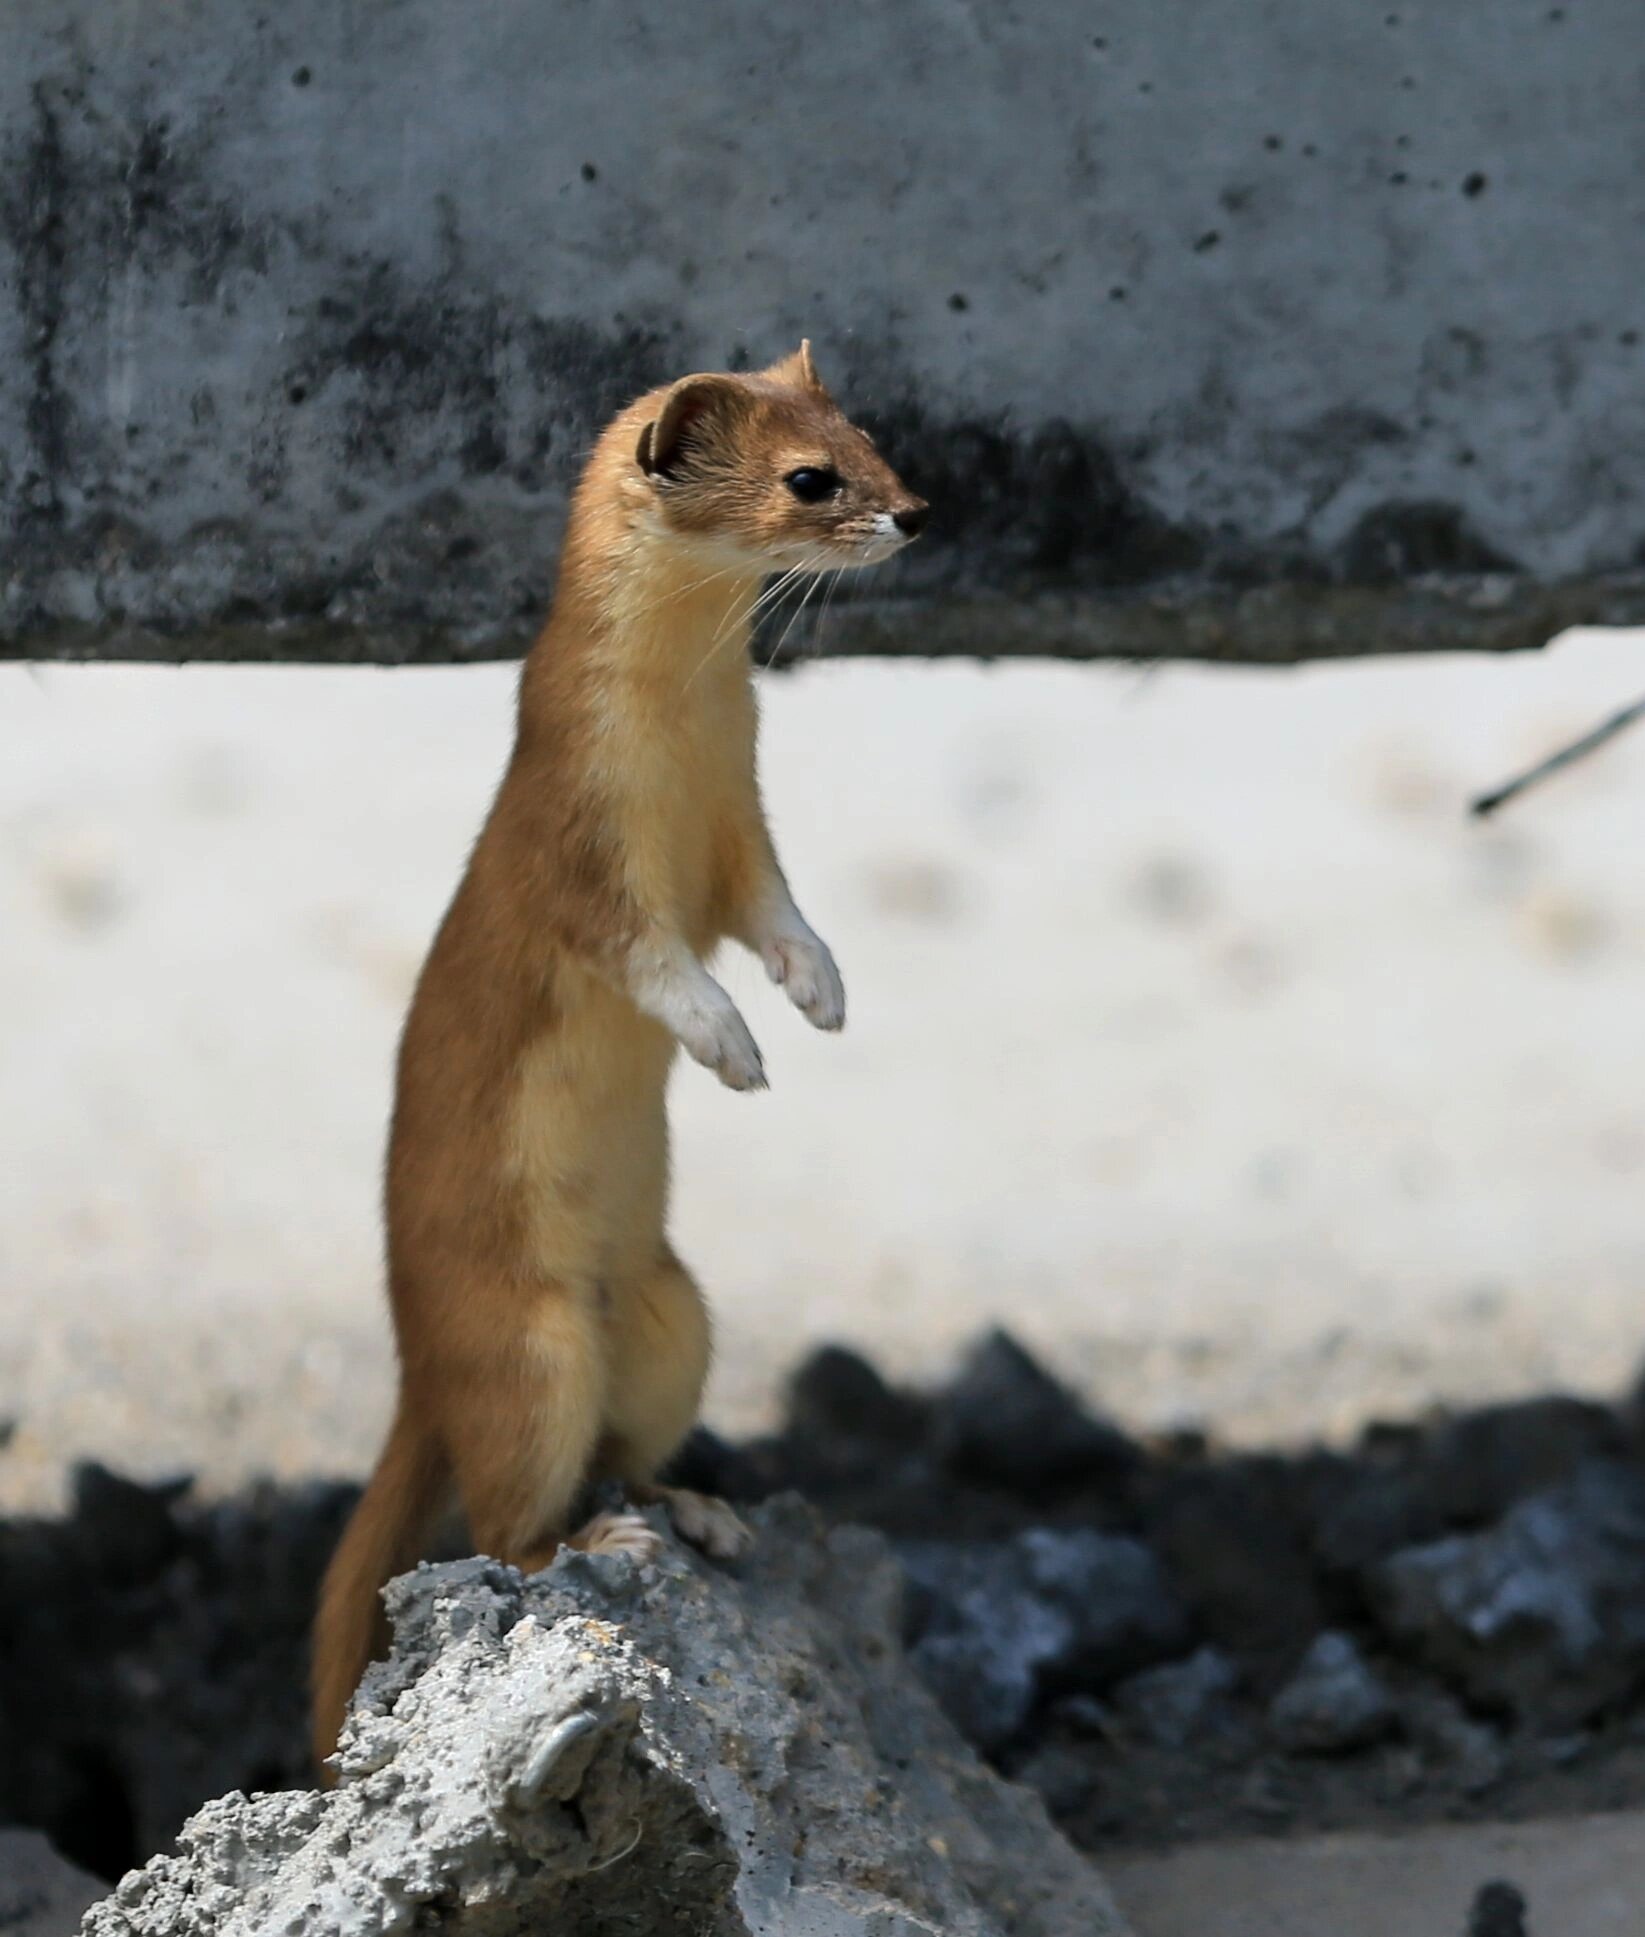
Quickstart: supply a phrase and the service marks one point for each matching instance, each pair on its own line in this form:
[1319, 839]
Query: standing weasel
[548, 1336]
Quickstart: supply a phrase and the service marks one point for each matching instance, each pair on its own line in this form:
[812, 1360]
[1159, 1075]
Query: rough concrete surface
[1583, 1877]
[606, 1749]
[1237, 331]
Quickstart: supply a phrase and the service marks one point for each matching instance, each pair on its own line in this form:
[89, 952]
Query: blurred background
[1197, 1035]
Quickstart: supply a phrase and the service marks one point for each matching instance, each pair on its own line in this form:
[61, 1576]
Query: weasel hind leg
[526, 1424]
[660, 1345]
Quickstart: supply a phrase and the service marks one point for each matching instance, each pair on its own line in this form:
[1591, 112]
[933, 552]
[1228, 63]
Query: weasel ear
[688, 402]
[798, 369]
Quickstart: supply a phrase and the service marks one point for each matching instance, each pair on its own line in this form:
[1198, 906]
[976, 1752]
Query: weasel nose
[911, 519]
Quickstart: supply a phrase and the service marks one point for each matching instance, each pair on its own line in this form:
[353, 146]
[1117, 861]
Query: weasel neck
[673, 620]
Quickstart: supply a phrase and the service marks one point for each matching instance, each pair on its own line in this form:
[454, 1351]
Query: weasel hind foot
[618, 1533]
[702, 1521]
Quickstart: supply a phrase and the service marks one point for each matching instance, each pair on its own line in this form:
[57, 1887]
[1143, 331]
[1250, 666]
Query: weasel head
[765, 471]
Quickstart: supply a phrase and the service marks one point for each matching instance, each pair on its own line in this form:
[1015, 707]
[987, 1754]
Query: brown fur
[548, 1336]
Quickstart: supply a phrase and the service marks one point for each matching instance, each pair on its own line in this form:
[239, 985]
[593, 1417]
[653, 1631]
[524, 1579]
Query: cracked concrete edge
[1263, 626]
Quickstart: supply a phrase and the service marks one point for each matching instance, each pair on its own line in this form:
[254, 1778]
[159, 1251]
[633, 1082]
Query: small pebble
[1499, 1911]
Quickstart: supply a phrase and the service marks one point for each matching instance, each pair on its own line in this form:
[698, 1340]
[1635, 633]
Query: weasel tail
[384, 1538]
[549, 1338]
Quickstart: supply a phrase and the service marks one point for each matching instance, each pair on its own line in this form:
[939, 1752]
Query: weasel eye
[812, 486]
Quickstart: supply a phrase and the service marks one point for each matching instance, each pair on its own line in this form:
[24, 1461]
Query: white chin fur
[883, 541]
[878, 549]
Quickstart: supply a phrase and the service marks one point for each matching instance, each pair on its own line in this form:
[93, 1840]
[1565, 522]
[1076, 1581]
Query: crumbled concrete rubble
[153, 1650]
[1444, 1619]
[40, 1894]
[1003, 1417]
[1004, 1620]
[606, 1749]
[1177, 1703]
[1542, 1614]
[1471, 1755]
[1117, 1633]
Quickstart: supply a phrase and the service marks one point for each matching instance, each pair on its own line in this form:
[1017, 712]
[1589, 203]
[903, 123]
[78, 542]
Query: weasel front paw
[720, 1040]
[801, 964]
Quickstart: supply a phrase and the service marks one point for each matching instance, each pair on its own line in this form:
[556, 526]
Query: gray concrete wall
[1233, 327]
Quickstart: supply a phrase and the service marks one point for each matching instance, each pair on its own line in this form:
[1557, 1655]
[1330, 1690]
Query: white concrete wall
[1196, 1034]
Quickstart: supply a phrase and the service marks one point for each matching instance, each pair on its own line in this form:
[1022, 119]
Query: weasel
[548, 1336]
